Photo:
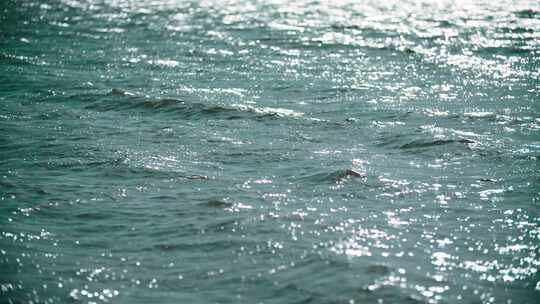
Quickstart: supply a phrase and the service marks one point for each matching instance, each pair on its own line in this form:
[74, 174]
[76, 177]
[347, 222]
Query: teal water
[269, 151]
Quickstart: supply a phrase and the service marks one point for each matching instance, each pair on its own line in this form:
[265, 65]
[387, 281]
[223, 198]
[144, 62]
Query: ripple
[269, 151]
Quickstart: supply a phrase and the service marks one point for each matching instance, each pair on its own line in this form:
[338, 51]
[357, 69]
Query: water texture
[269, 151]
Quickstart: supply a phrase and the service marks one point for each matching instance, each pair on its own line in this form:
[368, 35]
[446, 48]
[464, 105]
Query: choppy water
[269, 151]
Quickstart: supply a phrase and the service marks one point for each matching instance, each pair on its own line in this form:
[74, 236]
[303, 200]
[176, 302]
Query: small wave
[20, 60]
[268, 111]
[208, 246]
[509, 50]
[528, 14]
[333, 176]
[386, 290]
[92, 216]
[378, 269]
[418, 144]
[118, 100]
[216, 204]
[479, 114]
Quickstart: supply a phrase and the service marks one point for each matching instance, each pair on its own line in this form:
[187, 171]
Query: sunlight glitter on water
[269, 151]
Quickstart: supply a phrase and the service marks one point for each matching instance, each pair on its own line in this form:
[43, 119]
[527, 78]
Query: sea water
[269, 151]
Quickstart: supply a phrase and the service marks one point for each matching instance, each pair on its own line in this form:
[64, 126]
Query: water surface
[269, 151]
